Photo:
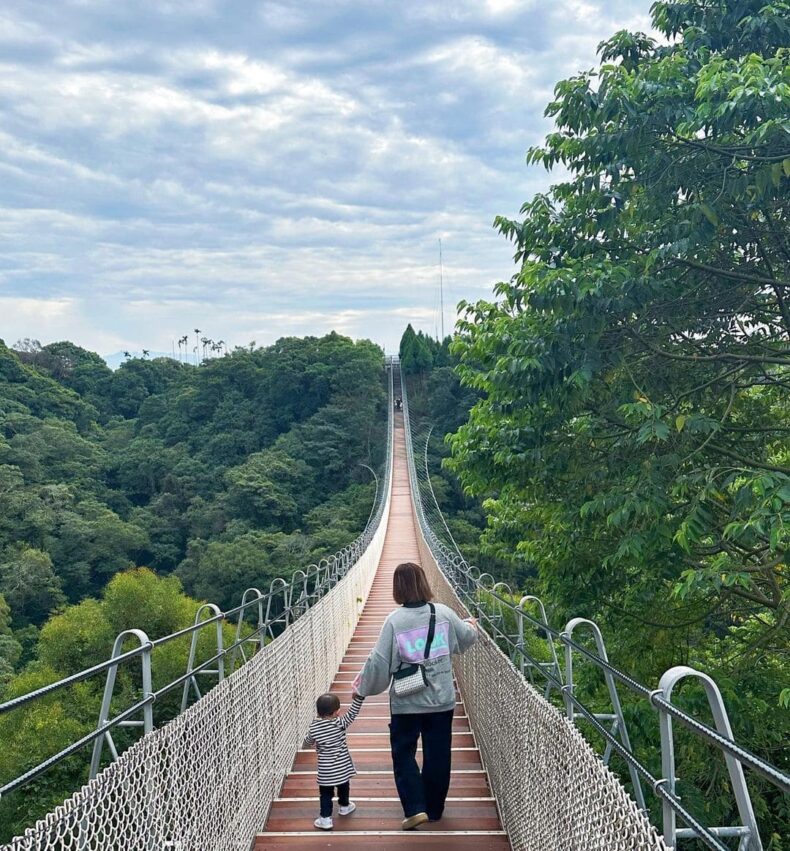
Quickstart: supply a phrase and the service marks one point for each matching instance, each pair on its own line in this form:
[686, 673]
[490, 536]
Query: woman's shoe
[414, 821]
[324, 823]
[348, 809]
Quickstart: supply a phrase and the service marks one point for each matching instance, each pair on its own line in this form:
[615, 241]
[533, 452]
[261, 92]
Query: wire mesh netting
[207, 779]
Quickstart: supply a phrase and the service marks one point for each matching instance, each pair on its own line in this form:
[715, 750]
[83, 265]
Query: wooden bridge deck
[470, 818]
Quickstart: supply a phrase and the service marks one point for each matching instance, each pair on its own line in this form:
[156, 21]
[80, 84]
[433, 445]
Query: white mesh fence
[553, 791]
[207, 779]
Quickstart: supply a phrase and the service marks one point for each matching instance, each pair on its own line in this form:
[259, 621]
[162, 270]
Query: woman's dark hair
[327, 704]
[409, 584]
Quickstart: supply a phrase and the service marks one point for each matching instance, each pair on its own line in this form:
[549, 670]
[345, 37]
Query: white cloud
[269, 167]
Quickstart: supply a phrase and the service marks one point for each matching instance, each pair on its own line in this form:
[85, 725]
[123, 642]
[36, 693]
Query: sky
[261, 169]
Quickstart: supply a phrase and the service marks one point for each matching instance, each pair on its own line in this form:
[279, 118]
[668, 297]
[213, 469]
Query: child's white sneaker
[346, 811]
[324, 823]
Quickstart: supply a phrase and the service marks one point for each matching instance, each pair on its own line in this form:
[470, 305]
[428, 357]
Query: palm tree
[197, 344]
[146, 352]
[221, 345]
[127, 354]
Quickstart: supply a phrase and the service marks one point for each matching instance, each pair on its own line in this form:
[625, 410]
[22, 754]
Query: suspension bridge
[230, 772]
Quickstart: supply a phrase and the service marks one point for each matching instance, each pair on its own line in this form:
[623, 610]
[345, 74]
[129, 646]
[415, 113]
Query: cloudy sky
[255, 169]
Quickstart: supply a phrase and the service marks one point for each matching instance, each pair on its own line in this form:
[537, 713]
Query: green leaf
[710, 214]
[680, 421]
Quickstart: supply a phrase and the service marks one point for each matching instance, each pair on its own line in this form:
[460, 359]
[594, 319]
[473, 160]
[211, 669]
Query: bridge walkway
[470, 820]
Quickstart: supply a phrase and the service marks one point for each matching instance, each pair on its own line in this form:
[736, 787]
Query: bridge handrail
[471, 590]
[345, 558]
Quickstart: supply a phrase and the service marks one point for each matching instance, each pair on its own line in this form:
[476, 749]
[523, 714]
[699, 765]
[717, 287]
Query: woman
[429, 712]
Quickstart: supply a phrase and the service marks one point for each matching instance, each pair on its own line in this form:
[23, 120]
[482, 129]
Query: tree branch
[728, 273]
[749, 462]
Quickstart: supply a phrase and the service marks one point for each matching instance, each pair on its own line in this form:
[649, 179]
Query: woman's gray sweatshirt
[402, 641]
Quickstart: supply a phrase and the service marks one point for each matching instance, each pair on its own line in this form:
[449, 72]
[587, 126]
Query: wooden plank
[288, 816]
[382, 784]
[482, 841]
[382, 760]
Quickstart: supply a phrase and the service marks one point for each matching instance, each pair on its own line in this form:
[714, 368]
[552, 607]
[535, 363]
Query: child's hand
[355, 696]
[471, 622]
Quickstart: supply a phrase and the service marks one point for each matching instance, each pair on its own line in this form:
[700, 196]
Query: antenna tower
[441, 289]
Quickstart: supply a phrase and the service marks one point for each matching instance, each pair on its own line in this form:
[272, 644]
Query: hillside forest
[127, 497]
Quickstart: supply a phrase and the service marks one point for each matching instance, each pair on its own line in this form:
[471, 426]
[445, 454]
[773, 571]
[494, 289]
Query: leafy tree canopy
[221, 476]
[635, 371]
[631, 438]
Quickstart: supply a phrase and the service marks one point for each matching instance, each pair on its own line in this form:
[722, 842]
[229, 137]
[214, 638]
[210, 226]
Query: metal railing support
[618, 728]
[109, 687]
[553, 666]
[747, 830]
[277, 587]
[250, 595]
[214, 613]
[300, 602]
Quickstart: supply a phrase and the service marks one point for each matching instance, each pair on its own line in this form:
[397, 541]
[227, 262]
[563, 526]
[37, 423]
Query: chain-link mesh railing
[206, 780]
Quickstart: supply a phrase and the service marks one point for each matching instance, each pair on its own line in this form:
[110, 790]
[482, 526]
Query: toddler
[335, 766]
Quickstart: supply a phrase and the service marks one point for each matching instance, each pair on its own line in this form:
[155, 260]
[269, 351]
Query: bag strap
[431, 631]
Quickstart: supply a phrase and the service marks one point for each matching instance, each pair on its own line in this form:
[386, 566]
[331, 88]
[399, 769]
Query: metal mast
[441, 289]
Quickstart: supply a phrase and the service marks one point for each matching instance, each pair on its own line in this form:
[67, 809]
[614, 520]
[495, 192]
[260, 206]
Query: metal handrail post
[619, 727]
[747, 830]
[257, 638]
[554, 664]
[109, 688]
[284, 590]
[215, 612]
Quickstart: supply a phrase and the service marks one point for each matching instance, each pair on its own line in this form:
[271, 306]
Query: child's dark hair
[327, 704]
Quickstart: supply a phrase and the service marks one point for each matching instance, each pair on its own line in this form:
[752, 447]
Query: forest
[129, 496]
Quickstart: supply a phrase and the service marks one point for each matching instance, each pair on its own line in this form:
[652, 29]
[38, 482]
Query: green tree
[220, 471]
[631, 437]
[648, 329]
[10, 649]
[269, 487]
[415, 352]
[220, 571]
[29, 584]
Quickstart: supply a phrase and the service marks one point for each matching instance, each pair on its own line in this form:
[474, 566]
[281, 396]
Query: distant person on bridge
[428, 711]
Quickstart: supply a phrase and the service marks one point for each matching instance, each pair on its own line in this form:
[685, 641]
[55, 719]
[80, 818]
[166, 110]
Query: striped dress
[335, 765]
